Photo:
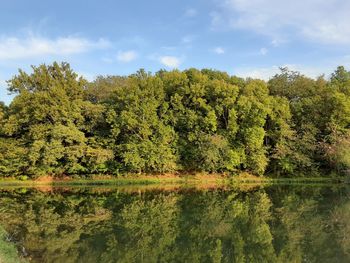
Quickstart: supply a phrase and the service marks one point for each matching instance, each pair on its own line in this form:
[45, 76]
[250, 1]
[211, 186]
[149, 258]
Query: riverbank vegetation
[174, 121]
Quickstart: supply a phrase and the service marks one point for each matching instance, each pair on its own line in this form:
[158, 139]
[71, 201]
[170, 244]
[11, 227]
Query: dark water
[246, 224]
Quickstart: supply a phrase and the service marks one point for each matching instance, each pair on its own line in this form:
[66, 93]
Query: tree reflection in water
[272, 224]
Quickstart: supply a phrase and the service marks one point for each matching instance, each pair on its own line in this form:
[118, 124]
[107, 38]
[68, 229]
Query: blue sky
[243, 37]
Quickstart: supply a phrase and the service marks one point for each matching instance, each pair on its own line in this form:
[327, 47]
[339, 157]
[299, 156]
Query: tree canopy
[174, 121]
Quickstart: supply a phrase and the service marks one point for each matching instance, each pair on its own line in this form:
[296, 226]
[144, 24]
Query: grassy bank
[247, 178]
[169, 179]
[130, 179]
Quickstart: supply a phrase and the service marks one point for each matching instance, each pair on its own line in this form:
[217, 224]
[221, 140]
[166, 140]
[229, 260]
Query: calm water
[250, 224]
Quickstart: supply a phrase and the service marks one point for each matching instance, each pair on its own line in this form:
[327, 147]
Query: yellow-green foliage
[192, 120]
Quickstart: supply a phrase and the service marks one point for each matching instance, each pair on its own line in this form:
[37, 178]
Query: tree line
[174, 121]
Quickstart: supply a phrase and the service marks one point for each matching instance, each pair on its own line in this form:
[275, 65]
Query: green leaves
[12, 157]
[195, 120]
[50, 117]
[143, 140]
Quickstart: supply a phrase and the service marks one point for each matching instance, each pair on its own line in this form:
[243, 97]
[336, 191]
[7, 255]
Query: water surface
[245, 224]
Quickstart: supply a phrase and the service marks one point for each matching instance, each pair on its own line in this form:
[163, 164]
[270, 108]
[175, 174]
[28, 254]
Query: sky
[242, 37]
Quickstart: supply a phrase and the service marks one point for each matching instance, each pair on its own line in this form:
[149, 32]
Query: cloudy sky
[243, 37]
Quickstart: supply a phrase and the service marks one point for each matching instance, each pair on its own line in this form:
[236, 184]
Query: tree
[252, 110]
[142, 139]
[340, 80]
[54, 125]
[192, 120]
[2, 110]
[202, 112]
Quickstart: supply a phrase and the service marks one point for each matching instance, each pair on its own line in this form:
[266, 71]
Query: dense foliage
[192, 120]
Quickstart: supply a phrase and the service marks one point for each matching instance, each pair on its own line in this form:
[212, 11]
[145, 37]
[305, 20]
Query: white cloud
[263, 51]
[34, 46]
[266, 73]
[88, 76]
[107, 60]
[3, 85]
[316, 20]
[187, 39]
[216, 20]
[4, 97]
[126, 56]
[170, 61]
[277, 42]
[169, 47]
[190, 12]
[219, 50]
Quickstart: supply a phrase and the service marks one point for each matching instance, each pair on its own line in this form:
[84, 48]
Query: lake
[246, 223]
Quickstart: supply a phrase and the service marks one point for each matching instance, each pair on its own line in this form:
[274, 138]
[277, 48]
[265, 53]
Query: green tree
[50, 116]
[253, 106]
[142, 139]
[202, 112]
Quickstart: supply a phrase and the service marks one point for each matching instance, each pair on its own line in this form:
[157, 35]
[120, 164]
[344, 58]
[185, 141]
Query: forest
[174, 122]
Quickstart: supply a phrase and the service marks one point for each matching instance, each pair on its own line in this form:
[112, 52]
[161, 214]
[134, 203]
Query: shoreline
[166, 179]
